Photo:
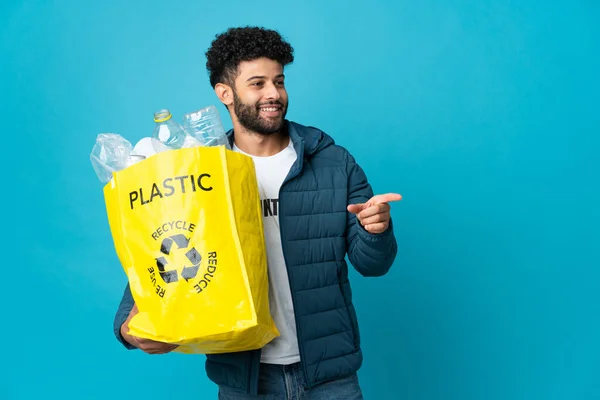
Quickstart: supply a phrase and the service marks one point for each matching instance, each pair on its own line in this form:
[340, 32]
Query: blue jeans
[286, 382]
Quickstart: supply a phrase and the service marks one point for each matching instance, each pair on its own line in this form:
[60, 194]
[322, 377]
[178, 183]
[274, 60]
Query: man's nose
[271, 92]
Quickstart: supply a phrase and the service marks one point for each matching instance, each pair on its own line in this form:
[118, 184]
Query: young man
[319, 208]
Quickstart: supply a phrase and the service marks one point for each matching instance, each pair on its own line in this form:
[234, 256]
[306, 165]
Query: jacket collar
[306, 140]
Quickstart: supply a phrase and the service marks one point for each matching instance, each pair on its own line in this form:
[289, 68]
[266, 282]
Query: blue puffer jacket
[317, 233]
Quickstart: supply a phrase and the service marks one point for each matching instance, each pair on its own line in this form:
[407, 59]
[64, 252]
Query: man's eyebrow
[255, 77]
[263, 77]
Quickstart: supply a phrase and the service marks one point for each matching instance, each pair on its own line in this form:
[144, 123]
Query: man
[319, 208]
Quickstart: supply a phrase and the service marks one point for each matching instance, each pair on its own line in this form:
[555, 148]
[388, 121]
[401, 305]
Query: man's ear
[224, 93]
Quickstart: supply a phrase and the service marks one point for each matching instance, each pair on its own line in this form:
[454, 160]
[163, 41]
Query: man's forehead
[260, 67]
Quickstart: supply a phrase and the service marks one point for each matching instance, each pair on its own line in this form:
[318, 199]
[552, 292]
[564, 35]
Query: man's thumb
[355, 208]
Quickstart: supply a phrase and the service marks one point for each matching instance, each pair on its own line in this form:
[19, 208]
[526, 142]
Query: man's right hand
[146, 345]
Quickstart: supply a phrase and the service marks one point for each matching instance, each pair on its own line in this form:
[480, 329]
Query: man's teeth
[269, 109]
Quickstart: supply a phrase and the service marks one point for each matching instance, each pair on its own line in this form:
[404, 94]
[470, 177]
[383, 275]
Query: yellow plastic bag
[188, 231]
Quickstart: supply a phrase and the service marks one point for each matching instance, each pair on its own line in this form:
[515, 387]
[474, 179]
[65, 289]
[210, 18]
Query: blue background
[482, 114]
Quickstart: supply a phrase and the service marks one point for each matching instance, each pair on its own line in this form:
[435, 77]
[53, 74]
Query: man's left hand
[374, 215]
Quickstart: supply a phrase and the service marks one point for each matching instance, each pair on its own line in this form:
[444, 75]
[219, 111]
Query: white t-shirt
[271, 172]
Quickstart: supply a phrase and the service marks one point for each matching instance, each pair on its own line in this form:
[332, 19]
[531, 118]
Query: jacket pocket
[355, 328]
[346, 291]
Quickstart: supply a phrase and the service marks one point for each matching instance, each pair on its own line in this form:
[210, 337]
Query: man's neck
[259, 145]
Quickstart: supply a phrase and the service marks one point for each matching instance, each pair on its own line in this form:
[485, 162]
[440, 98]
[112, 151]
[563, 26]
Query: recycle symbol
[192, 255]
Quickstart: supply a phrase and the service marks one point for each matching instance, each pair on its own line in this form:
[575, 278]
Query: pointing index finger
[385, 198]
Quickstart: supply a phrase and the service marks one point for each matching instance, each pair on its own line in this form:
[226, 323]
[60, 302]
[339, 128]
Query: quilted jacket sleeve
[371, 254]
[121, 315]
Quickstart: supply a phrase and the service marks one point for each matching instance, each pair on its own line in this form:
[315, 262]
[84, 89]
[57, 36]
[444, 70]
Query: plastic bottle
[206, 127]
[167, 131]
[112, 153]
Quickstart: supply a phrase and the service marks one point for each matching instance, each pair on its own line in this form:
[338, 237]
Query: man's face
[260, 99]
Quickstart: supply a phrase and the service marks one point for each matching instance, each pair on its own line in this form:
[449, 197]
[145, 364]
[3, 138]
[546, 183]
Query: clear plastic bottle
[167, 131]
[112, 153]
[206, 127]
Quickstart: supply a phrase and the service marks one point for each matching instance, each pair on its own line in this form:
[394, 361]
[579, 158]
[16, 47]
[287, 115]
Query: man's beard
[249, 116]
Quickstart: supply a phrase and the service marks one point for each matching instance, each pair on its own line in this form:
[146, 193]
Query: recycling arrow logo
[169, 246]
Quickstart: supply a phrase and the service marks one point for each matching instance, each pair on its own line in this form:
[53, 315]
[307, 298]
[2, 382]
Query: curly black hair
[235, 45]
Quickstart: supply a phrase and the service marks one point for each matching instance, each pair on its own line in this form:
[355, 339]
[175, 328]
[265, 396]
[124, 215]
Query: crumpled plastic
[111, 153]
